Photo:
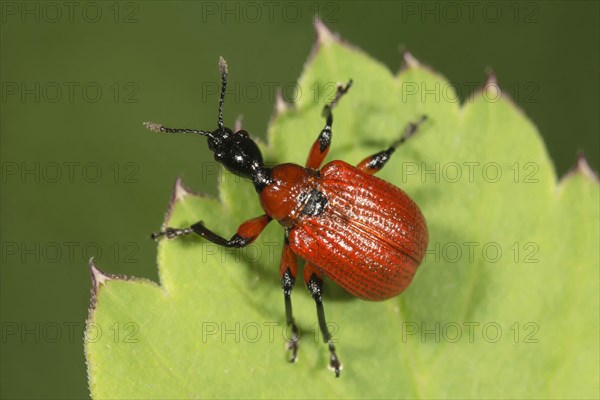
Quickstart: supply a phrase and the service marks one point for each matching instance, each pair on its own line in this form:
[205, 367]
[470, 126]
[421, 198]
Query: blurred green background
[81, 177]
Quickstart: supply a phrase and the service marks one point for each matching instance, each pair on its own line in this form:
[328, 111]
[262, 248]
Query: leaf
[504, 306]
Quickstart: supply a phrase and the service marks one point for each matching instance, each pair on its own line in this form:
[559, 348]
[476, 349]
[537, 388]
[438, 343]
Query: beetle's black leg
[287, 270]
[374, 163]
[314, 283]
[245, 234]
[320, 148]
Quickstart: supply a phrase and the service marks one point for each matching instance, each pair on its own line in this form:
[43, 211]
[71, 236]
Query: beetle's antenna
[154, 127]
[223, 69]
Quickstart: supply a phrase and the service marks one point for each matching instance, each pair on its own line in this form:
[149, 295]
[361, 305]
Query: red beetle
[361, 231]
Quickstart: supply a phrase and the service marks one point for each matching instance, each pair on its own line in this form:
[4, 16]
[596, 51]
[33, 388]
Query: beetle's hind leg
[314, 283]
[375, 162]
[321, 146]
[288, 270]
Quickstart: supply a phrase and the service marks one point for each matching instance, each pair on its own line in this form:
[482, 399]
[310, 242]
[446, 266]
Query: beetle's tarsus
[293, 344]
[341, 90]
[171, 233]
[334, 361]
[412, 128]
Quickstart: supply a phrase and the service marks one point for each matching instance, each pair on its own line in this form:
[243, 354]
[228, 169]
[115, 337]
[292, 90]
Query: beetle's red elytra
[364, 233]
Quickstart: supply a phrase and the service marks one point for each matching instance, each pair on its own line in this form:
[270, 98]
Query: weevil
[362, 232]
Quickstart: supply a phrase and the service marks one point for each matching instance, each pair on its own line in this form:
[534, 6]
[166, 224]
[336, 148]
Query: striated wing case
[371, 237]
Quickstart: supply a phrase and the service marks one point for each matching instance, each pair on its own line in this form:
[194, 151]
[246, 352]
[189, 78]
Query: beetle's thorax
[288, 193]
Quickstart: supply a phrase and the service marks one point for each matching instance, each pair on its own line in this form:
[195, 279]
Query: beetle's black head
[236, 151]
[239, 154]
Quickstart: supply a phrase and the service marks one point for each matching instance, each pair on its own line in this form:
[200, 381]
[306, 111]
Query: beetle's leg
[287, 270]
[246, 233]
[314, 283]
[374, 163]
[320, 148]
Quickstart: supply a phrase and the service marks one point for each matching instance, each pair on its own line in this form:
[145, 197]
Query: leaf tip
[490, 76]
[491, 87]
[491, 92]
[409, 60]
[238, 123]
[280, 104]
[180, 192]
[583, 168]
[324, 35]
[99, 278]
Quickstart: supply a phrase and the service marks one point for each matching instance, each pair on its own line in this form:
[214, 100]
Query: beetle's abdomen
[371, 237]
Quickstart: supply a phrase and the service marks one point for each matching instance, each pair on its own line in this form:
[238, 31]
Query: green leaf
[504, 306]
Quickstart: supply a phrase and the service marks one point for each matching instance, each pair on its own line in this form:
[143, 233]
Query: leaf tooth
[324, 35]
[281, 106]
[584, 167]
[99, 278]
[581, 167]
[491, 90]
[409, 60]
[180, 192]
[238, 123]
[491, 87]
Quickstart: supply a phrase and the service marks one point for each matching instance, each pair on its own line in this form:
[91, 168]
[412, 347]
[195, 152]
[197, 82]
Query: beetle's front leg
[321, 146]
[314, 283]
[246, 233]
[287, 270]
